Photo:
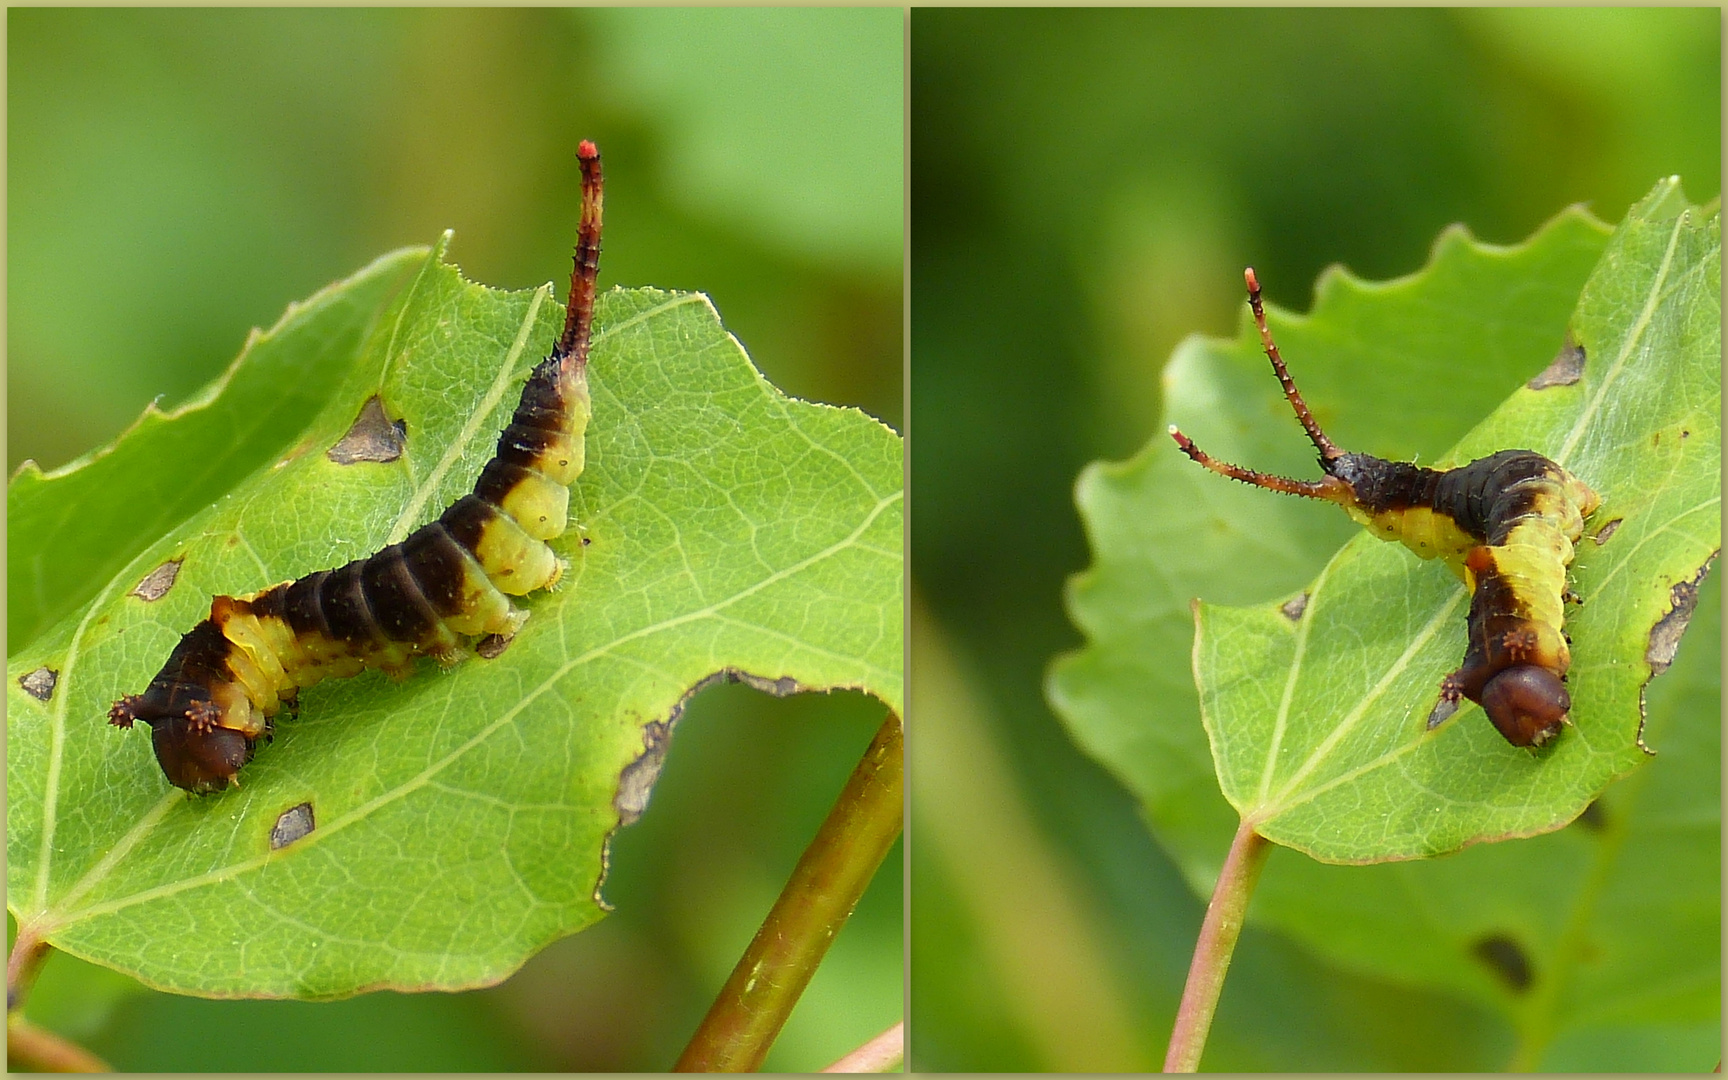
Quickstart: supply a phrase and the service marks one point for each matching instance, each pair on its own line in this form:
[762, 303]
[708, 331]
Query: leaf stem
[813, 907]
[1218, 934]
[28, 954]
[40, 1050]
[880, 1054]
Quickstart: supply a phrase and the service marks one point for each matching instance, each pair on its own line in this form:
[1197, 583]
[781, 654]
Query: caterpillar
[444, 587]
[1506, 524]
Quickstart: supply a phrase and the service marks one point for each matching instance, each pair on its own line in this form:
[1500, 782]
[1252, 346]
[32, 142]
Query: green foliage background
[1087, 187]
[175, 177]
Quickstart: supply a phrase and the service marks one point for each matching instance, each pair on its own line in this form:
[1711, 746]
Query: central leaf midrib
[433, 770]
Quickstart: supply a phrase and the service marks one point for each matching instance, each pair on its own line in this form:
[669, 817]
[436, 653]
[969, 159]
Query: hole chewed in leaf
[40, 683]
[1507, 959]
[371, 438]
[637, 779]
[293, 824]
[1566, 368]
[636, 782]
[158, 581]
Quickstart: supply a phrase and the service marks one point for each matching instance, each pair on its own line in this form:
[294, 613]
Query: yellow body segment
[540, 506]
[515, 562]
[1419, 528]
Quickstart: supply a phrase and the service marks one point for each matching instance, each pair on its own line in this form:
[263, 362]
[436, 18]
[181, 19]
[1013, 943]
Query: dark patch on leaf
[39, 684]
[1566, 368]
[293, 824]
[1295, 606]
[1507, 959]
[1593, 818]
[372, 437]
[636, 782]
[1665, 635]
[492, 646]
[1606, 531]
[158, 581]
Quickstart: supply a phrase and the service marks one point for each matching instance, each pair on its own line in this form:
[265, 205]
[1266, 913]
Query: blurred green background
[176, 177]
[1086, 188]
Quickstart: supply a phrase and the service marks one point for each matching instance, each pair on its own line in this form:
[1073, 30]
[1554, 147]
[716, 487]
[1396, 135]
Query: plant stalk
[815, 904]
[1218, 934]
[884, 1052]
[29, 952]
[40, 1050]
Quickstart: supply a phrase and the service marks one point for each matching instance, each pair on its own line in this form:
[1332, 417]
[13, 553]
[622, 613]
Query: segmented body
[1506, 524]
[448, 583]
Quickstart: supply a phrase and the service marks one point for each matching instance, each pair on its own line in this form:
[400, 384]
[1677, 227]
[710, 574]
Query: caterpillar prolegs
[1506, 524]
[445, 585]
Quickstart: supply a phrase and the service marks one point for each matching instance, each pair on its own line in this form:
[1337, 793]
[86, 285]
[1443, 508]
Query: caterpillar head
[1526, 703]
[195, 753]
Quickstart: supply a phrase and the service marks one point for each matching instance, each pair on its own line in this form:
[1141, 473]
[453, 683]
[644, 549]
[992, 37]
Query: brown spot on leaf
[1295, 606]
[291, 825]
[636, 782]
[492, 646]
[1507, 959]
[1566, 368]
[372, 437]
[39, 684]
[1606, 531]
[1665, 635]
[158, 581]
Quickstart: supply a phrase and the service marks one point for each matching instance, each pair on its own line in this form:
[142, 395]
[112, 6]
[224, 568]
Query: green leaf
[1382, 366]
[1318, 724]
[461, 818]
[71, 530]
[1379, 364]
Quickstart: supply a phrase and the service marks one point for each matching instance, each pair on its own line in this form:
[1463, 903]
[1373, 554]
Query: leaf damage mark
[1606, 531]
[1507, 959]
[1294, 607]
[158, 581]
[1566, 368]
[40, 683]
[293, 824]
[492, 646]
[373, 437]
[636, 782]
[1665, 635]
[637, 779]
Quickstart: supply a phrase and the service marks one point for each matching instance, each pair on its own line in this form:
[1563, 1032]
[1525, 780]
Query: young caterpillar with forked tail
[448, 583]
[1506, 524]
